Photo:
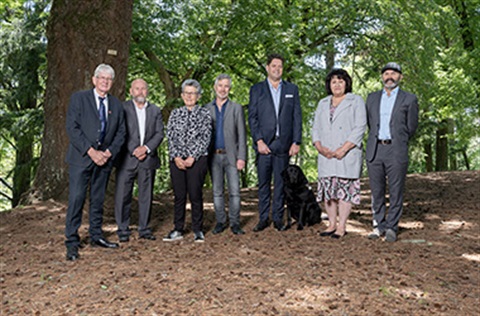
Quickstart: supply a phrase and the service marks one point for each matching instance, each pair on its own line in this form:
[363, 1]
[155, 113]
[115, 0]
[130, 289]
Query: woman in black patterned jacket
[189, 132]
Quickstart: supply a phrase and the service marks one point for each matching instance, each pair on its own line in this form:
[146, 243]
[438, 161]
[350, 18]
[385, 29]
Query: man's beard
[222, 96]
[140, 99]
[391, 83]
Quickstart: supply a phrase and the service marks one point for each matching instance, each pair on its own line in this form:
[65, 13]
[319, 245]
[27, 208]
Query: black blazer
[263, 121]
[403, 123]
[83, 128]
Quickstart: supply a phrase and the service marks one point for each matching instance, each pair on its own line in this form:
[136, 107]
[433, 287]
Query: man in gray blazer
[138, 159]
[392, 120]
[227, 155]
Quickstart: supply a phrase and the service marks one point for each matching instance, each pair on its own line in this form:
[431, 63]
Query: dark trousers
[79, 178]
[123, 199]
[189, 182]
[266, 166]
[383, 167]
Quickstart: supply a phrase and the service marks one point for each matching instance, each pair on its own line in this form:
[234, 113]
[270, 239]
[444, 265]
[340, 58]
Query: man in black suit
[138, 159]
[96, 129]
[392, 116]
[275, 119]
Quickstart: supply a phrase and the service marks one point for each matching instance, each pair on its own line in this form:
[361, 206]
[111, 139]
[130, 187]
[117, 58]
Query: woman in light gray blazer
[337, 133]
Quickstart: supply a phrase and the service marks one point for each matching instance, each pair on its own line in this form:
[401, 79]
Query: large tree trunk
[81, 35]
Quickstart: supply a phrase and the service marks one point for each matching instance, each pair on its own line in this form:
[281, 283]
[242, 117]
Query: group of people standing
[105, 133]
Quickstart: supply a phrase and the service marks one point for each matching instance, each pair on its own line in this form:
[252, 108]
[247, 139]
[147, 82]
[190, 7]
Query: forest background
[49, 49]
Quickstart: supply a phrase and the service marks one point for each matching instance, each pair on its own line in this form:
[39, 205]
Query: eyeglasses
[190, 93]
[104, 78]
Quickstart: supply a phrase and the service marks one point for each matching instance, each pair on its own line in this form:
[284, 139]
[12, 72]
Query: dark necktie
[103, 120]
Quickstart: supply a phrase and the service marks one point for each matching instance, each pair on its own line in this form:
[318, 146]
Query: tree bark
[441, 157]
[451, 144]
[23, 166]
[427, 147]
[330, 55]
[81, 35]
[465, 158]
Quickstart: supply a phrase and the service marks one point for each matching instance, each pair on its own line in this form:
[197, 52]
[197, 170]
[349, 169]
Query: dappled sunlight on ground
[411, 225]
[433, 269]
[432, 217]
[455, 225]
[472, 257]
[357, 228]
[314, 298]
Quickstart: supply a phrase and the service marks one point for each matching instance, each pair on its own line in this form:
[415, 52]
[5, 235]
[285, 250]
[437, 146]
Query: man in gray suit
[392, 120]
[228, 154]
[138, 159]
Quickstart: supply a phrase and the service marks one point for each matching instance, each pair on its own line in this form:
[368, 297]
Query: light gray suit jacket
[153, 137]
[234, 131]
[403, 123]
[348, 124]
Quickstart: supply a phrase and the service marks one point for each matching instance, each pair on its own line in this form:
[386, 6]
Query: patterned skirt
[334, 188]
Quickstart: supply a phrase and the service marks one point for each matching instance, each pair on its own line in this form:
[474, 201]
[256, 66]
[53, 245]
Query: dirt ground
[433, 269]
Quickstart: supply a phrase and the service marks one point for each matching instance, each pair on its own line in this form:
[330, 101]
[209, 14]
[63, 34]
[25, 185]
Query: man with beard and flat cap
[392, 117]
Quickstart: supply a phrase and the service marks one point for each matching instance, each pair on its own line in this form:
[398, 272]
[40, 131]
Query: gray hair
[140, 79]
[192, 83]
[104, 68]
[222, 77]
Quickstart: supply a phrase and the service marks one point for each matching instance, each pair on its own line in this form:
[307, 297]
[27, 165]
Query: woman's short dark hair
[340, 74]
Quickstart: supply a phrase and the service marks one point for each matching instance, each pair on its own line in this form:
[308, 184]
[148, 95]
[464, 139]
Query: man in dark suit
[138, 159]
[392, 120]
[96, 129]
[275, 119]
[228, 154]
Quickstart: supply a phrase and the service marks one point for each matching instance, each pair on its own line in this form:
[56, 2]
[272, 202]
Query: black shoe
[102, 242]
[261, 226]
[199, 237]
[326, 234]
[124, 238]
[279, 226]
[148, 237]
[220, 227]
[72, 253]
[336, 236]
[236, 230]
[173, 236]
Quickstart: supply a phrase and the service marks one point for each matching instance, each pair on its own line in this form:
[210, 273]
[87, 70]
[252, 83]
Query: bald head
[139, 91]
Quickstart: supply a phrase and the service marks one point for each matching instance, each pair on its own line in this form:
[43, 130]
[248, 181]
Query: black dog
[301, 202]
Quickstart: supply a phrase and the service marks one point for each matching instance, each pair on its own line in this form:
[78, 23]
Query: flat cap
[392, 66]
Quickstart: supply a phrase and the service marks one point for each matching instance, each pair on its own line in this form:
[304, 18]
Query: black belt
[220, 151]
[384, 141]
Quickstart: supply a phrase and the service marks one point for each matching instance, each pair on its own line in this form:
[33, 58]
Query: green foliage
[22, 73]
[435, 41]
[175, 40]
